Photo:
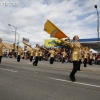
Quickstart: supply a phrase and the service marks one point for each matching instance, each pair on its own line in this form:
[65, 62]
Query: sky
[73, 17]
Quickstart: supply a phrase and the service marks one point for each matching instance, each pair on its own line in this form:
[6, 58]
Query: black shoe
[35, 64]
[72, 79]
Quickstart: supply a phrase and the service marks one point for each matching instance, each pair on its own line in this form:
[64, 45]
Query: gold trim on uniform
[19, 51]
[32, 53]
[76, 54]
[40, 53]
[52, 53]
[80, 55]
[64, 54]
[36, 50]
[91, 55]
[86, 54]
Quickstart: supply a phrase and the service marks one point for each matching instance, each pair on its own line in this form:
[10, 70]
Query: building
[91, 43]
[8, 45]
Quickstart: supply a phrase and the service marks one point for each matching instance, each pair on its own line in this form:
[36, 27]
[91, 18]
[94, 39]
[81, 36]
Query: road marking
[8, 70]
[73, 82]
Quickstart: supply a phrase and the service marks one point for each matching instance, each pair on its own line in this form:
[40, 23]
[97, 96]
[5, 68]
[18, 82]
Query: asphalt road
[23, 81]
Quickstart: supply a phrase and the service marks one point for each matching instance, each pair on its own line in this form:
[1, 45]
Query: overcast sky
[73, 17]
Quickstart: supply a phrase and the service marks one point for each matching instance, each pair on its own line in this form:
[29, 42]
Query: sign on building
[51, 42]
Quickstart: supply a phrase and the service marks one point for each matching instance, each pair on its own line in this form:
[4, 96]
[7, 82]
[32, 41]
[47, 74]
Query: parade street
[23, 81]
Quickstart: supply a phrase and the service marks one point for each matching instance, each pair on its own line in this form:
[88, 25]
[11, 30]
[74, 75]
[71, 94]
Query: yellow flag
[50, 28]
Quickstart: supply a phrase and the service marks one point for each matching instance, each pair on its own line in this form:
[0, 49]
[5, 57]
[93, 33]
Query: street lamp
[15, 32]
[18, 37]
[97, 25]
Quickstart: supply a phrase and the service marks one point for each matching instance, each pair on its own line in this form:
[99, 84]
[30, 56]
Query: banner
[26, 40]
[51, 42]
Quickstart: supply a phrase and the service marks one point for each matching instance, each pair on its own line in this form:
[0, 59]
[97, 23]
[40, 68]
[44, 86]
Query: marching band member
[36, 51]
[86, 55]
[91, 57]
[52, 55]
[76, 46]
[19, 52]
[31, 54]
[1, 47]
[40, 54]
[64, 54]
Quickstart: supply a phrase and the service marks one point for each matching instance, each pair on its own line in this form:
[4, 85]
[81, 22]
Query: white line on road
[73, 82]
[8, 70]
